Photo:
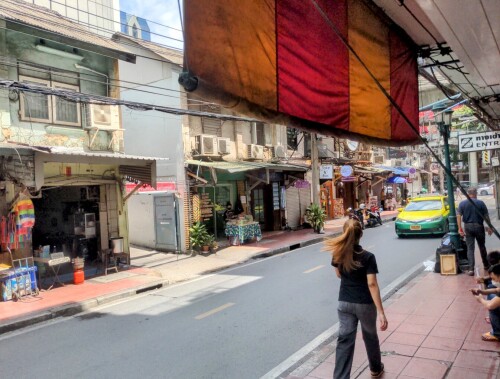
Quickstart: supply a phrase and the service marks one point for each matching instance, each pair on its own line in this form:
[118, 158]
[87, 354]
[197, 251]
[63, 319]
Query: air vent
[101, 116]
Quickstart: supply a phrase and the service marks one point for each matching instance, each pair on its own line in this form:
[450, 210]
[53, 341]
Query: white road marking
[213, 311]
[313, 269]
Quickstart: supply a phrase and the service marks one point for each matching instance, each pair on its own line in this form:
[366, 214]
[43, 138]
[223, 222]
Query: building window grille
[37, 107]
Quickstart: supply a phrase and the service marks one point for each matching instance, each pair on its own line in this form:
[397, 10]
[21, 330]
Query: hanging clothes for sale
[21, 221]
[25, 215]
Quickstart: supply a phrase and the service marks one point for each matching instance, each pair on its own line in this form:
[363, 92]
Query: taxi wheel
[400, 235]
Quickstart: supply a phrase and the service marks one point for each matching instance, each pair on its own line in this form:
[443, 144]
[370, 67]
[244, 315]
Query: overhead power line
[77, 75]
[83, 98]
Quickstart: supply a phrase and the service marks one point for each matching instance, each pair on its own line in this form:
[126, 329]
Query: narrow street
[239, 323]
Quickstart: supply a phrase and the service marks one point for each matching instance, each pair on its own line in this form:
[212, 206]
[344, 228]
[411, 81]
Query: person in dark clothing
[359, 300]
[473, 216]
[228, 213]
[492, 304]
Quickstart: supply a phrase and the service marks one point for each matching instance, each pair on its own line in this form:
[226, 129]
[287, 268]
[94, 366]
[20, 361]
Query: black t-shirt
[354, 284]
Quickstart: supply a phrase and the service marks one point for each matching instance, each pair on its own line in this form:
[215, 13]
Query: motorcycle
[373, 217]
[356, 214]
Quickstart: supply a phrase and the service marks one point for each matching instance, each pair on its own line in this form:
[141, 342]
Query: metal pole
[452, 217]
[314, 169]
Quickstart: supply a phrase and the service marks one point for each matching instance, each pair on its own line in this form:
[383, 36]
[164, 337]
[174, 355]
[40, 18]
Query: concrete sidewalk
[151, 270]
[435, 328]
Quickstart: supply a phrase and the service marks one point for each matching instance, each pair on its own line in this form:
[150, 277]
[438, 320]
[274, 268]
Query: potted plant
[198, 236]
[212, 243]
[316, 217]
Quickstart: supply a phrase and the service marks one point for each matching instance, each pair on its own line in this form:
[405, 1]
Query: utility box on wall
[153, 221]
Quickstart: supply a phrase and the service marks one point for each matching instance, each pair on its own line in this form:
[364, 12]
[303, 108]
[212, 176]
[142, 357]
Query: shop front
[75, 199]
[253, 191]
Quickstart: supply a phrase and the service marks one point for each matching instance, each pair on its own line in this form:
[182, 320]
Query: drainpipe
[79, 67]
[253, 126]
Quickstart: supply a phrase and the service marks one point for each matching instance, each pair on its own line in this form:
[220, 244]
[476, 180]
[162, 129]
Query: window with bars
[46, 108]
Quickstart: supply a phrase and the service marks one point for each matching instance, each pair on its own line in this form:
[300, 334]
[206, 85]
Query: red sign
[160, 186]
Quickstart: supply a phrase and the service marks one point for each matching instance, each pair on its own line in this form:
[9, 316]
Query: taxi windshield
[424, 205]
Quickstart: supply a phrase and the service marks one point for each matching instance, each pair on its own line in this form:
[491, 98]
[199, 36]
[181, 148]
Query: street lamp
[442, 116]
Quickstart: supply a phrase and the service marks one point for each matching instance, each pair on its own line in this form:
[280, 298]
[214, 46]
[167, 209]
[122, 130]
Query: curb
[73, 309]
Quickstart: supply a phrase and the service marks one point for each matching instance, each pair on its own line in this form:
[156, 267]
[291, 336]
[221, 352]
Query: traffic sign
[478, 141]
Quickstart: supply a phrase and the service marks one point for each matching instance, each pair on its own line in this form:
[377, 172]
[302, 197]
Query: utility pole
[314, 169]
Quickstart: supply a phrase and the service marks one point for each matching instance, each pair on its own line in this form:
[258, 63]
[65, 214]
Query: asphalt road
[239, 323]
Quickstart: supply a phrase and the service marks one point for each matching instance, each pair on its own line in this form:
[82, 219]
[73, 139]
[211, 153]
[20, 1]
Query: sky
[164, 12]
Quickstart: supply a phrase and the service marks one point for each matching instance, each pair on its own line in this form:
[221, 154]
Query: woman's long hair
[342, 247]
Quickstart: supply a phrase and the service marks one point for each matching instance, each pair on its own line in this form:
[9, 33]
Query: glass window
[35, 106]
[45, 108]
[66, 112]
[258, 205]
[425, 205]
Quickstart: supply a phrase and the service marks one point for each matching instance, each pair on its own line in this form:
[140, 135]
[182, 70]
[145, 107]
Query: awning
[370, 170]
[142, 169]
[396, 180]
[402, 171]
[242, 166]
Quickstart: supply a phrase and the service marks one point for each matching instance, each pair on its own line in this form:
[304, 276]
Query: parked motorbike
[356, 214]
[373, 217]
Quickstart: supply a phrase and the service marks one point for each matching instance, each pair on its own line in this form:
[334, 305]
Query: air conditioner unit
[255, 152]
[279, 151]
[398, 163]
[224, 145]
[323, 151]
[102, 116]
[207, 144]
[379, 159]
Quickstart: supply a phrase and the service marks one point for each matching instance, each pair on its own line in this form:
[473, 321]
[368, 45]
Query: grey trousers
[475, 232]
[349, 314]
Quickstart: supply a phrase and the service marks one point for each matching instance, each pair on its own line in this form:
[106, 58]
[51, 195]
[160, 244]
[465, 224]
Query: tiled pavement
[435, 328]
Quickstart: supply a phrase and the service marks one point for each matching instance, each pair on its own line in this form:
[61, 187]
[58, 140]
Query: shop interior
[67, 221]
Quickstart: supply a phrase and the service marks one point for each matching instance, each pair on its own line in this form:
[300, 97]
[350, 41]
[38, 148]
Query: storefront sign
[346, 171]
[206, 207]
[326, 171]
[301, 184]
[160, 186]
[478, 141]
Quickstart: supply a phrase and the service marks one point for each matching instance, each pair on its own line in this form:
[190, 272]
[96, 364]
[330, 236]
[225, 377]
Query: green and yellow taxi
[423, 216]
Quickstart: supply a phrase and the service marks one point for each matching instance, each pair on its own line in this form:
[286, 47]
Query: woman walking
[359, 300]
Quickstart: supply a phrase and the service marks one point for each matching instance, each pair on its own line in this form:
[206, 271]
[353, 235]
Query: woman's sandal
[489, 337]
[378, 374]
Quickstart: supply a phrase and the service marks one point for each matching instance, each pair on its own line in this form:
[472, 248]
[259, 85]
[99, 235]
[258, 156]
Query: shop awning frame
[244, 166]
[139, 168]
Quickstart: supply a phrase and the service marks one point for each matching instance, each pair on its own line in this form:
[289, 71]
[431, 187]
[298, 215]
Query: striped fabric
[25, 216]
[280, 61]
